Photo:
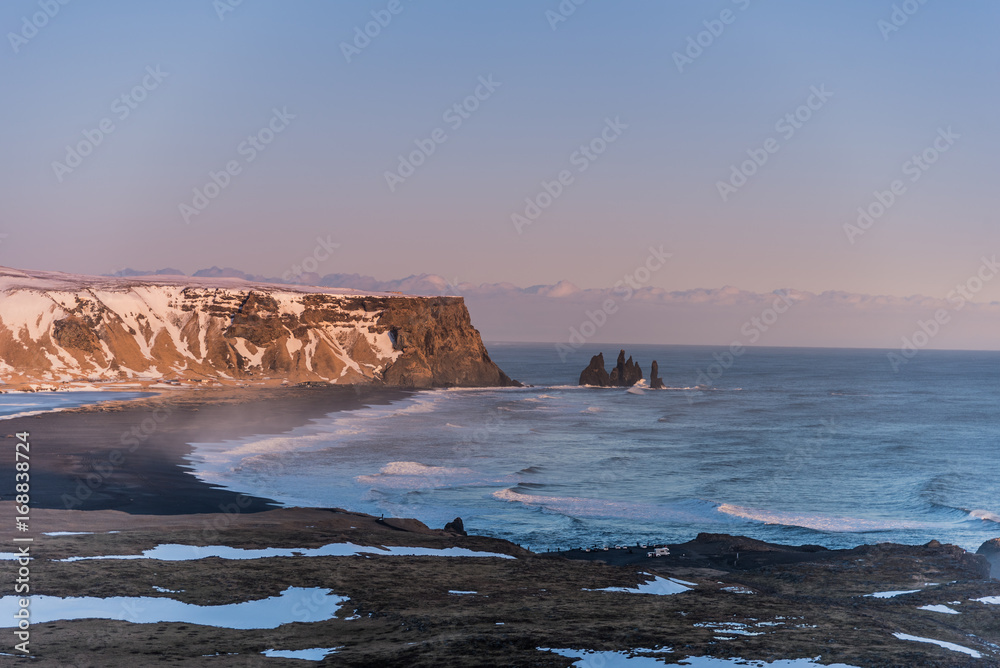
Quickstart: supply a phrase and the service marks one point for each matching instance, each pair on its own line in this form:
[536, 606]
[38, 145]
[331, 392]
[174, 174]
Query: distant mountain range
[435, 285]
[586, 317]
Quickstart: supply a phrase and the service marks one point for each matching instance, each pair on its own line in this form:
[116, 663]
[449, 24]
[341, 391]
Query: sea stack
[655, 382]
[618, 373]
[595, 374]
[625, 373]
[632, 375]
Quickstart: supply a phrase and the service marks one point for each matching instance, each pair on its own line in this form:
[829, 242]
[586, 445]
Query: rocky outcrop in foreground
[625, 373]
[60, 327]
[730, 597]
[991, 550]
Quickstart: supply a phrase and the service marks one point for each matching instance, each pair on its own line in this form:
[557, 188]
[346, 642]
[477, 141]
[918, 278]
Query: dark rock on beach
[456, 526]
[991, 550]
[727, 553]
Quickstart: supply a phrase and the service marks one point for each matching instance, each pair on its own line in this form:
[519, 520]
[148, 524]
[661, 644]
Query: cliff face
[60, 327]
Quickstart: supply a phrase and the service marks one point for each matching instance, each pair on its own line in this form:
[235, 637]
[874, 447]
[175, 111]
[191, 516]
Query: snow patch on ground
[295, 604]
[941, 643]
[657, 586]
[593, 659]
[734, 628]
[892, 594]
[315, 654]
[939, 608]
[736, 589]
[175, 552]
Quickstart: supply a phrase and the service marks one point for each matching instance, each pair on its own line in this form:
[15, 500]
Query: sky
[628, 125]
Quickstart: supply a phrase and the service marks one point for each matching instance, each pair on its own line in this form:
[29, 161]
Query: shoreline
[415, 595]
[130, 454]
[133, 453]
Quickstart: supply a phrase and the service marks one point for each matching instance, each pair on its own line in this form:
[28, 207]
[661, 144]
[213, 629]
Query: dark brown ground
[408, 618]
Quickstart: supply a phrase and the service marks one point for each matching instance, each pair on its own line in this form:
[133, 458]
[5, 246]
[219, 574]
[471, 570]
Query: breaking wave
[414, 475]
[827, 523]
[984, 515]
[694, 512]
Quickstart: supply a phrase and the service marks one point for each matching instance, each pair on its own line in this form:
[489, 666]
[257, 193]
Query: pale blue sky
[656, 184]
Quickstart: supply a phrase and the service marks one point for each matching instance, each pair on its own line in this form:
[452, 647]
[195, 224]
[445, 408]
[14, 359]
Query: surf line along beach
[391, 595]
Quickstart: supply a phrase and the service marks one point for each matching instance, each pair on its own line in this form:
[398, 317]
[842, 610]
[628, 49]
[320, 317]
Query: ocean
[800, 446]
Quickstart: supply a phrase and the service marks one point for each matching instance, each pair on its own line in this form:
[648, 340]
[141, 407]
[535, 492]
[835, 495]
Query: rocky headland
[58, 328]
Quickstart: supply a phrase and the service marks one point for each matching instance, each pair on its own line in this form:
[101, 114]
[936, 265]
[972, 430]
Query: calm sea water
[828, 447]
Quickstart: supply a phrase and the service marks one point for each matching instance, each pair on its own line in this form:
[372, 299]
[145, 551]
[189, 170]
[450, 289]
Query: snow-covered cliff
[64, 327]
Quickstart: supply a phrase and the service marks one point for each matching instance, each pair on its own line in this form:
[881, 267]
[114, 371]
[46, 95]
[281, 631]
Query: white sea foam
[295, 604]
[414, 475]
[597, 508]
[425, 402]
[333, 430]
[984, 515]
[941, 643]
[820, 522]
[341, 460]
[416, 469]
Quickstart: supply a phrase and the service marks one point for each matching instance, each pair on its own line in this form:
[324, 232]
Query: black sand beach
[128, 455]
